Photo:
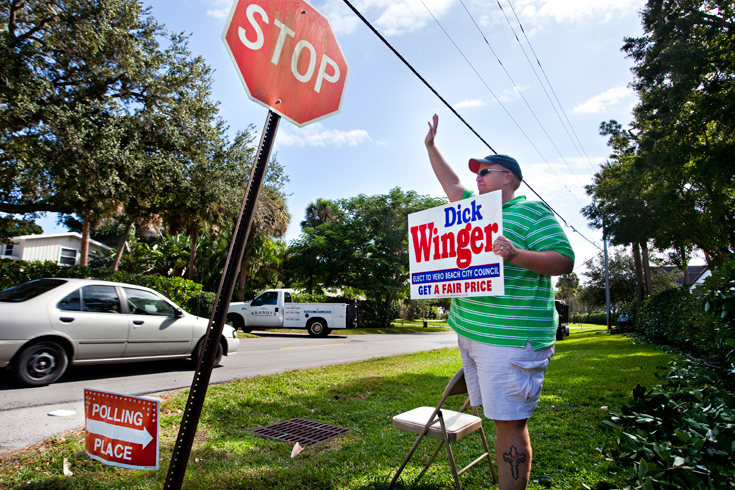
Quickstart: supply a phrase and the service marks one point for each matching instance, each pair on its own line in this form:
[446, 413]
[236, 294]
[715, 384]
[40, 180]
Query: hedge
[179, 290]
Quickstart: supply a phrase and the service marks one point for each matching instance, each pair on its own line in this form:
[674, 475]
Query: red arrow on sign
[287, 57]
[122, 430]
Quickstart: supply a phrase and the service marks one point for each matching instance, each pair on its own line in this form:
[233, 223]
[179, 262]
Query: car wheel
[239, 324]
[40, 364]
[198, 351]
[318, 328]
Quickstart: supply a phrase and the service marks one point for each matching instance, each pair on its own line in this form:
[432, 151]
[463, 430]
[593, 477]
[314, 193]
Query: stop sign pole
[200, 383]
[289, 61]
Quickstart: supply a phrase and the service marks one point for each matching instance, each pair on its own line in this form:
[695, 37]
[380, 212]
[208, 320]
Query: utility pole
[607, 275]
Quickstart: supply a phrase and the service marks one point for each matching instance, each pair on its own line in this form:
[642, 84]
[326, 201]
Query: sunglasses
[486, 171]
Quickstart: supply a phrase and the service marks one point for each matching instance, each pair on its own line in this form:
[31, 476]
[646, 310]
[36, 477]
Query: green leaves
[677, 435]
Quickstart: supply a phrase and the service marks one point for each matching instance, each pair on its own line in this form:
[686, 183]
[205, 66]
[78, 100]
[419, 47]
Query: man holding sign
[506, 341]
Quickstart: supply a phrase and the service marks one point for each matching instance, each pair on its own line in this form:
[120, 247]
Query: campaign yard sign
[451, 249]
[122, 430]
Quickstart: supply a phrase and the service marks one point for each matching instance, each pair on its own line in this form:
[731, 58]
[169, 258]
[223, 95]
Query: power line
[501, 104]
[588, 163]
[385, 41]
[413, 70]
[515, 85]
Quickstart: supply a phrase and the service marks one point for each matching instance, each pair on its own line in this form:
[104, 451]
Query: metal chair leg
[449, 452]
[487, 449]
[410, 454]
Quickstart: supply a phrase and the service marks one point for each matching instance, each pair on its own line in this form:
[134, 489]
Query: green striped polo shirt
[525, 313]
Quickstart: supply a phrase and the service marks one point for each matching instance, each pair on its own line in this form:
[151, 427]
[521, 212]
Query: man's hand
[432, 131]
[547, 262]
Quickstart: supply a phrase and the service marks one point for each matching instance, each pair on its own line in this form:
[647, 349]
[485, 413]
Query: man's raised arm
[447, 178]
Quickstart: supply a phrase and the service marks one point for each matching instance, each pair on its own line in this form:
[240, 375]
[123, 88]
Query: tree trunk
[647, 269]
[684, 265]
[121, 246]
[245, 264]
[638, 275]
[191, 273]
[85, 239]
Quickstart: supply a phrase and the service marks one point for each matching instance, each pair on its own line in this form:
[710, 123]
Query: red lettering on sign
[468, 241]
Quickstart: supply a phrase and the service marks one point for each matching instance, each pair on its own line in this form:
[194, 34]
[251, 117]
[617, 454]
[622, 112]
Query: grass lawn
[591, 373]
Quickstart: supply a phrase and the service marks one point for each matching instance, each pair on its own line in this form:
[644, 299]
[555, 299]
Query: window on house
[68, 256]
[8, 249]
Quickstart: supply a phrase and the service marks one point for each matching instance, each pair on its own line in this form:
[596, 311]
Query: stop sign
[287, 57]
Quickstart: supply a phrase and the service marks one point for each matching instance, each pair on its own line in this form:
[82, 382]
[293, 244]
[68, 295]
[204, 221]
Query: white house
[62, 248]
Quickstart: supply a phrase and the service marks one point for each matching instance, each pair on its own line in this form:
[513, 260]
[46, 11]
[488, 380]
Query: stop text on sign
[285, 32]
[451, 249]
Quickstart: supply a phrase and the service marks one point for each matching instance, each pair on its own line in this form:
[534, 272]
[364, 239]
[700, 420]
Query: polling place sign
[451, 249]
[122, 430]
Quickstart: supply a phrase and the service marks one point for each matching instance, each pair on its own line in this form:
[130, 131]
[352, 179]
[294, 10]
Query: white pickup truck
[274, 309]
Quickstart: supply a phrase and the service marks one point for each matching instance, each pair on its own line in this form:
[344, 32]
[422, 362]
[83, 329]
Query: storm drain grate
[305, 432]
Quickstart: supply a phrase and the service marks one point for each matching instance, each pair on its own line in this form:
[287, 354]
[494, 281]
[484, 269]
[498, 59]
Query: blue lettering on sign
[461, 216]
[476, 272]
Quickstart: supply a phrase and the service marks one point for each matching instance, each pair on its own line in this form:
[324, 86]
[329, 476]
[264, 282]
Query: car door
[264, 311]
[155, 328]
[92, 317]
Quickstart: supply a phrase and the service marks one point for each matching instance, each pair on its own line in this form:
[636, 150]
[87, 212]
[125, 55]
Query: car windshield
[29, 290]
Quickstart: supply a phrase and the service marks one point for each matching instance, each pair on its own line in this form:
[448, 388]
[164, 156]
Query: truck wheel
[238, 323]
[39, 364]
[318, 328]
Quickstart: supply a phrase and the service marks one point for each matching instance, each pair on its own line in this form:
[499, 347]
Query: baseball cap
[506, 161]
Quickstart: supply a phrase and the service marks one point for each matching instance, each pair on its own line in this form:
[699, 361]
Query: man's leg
[513, 454]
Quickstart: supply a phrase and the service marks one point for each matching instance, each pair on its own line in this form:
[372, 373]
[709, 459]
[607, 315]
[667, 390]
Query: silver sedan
[47, 324]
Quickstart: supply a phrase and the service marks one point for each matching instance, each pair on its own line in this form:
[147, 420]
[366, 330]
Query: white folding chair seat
[445, 425]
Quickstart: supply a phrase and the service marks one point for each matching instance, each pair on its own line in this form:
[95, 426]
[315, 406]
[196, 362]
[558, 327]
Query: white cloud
[316, 135]
[396, 17]
[341, 18]
[575, 10]
[220, 8]
[469, 103]
[606, 100]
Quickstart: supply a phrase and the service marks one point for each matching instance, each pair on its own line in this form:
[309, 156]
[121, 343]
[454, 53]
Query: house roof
[60, 235]
[695, 271]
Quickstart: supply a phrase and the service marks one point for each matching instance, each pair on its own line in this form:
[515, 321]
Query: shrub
[376, 313]
[14, 272]
[679, 435]
[201, 304]
[718, 295]
[676, 318]
[595, 318]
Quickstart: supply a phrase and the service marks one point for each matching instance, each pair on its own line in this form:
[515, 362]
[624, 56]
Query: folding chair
[446, 425]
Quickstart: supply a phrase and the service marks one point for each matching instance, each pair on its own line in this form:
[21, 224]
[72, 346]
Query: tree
[568, 285]
[365, 249]
[685, 78]
[10, 227]
[93, 110]
[622, 280]
[319, 212]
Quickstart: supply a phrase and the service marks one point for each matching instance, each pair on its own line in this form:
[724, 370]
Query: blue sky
[376, 142]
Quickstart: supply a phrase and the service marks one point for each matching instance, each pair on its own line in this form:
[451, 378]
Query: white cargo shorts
[506, 381]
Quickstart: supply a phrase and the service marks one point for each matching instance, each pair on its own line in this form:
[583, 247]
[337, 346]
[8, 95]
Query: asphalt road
[27, 414]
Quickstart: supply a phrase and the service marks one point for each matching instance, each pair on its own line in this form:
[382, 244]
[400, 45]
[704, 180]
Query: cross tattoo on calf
[514, 459]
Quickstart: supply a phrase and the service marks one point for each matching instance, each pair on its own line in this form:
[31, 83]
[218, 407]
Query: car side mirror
[178, 313]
